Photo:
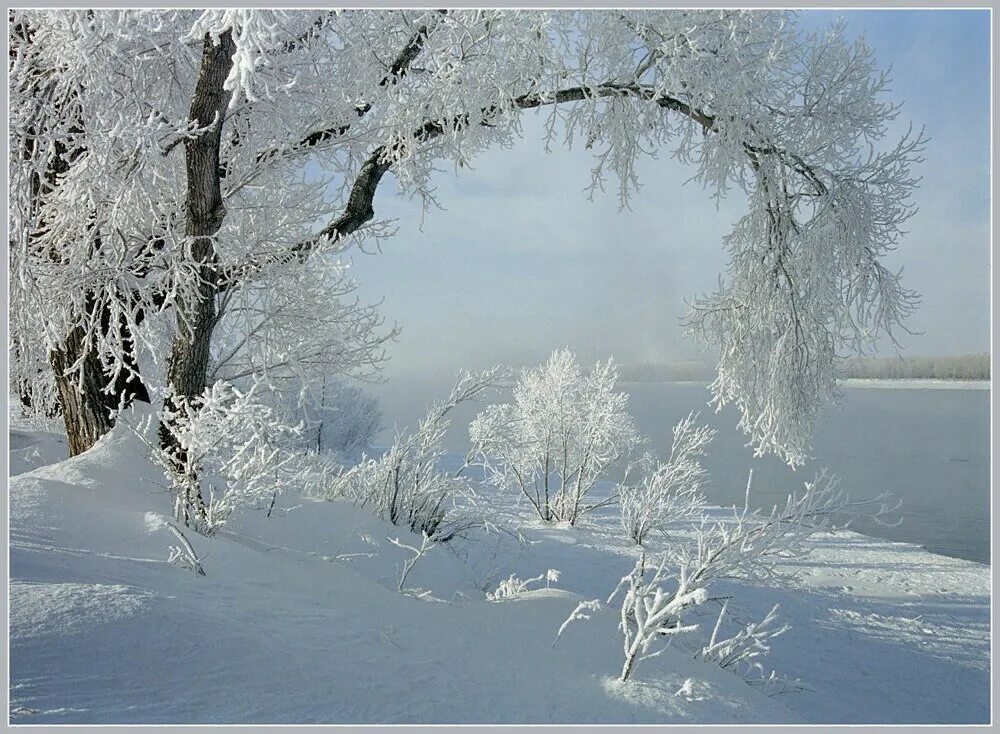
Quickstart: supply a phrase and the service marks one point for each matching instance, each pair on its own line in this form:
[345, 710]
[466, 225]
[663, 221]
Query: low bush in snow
[513, 586]
[405, 485]
[740, 652]
[234, 444]
[657, 598]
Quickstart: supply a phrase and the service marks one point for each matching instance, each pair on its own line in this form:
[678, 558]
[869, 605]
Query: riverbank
[299, 620]
[854, 382]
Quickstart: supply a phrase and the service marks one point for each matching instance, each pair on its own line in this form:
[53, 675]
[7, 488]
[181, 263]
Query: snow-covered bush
[648, 614]
[739, 652]
[672, 490]
[405, 485]
[237, 445]
[513, 586]
[559, 436]
[748, 546]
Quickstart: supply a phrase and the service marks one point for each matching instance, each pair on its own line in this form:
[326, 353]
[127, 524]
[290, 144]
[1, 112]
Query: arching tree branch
[397, 71]
[360, 205]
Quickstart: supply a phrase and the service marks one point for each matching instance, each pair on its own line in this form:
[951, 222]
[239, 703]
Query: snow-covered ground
[30, 448]
[298, 619]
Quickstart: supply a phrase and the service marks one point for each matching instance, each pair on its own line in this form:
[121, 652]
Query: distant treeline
[956, 367]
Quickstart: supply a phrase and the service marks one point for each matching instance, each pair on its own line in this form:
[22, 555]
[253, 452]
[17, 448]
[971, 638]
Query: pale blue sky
[521, 262]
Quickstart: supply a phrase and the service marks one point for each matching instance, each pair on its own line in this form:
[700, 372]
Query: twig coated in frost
[186, 554]
[425, 546]
[579, 613]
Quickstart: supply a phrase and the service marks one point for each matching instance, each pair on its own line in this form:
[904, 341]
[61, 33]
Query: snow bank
[298, 620]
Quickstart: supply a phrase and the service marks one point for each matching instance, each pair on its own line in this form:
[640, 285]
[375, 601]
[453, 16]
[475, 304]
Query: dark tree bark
[204, 214]
[80, 396]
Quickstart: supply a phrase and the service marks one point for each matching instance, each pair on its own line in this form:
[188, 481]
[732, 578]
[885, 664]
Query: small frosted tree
[558, 438]
[229, 450]
[670, 491]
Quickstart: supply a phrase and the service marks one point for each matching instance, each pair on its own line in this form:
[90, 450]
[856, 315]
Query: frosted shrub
[513, 586]
[672, 490]
[561, 434]
[657, 598]
[238, 444]
[405, 485]
[739, 653]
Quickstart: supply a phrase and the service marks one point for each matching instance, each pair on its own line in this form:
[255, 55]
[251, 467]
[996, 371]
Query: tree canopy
[184, 182]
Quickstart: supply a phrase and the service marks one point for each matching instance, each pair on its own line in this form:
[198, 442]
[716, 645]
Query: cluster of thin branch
[671, 490]
[406, 486]
[657, 597]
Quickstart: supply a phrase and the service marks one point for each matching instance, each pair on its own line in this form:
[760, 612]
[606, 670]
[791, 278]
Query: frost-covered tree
[561, 434]
[667, 491]
[235, 453]
[166, 158]
[125, 223]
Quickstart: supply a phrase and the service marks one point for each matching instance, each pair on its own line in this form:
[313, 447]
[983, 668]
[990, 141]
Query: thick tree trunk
[196, 312]
[83, 407]
[85, 400]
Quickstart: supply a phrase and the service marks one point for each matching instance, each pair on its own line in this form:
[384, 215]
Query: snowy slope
[103, 630]
[30, 448]
[298, 620]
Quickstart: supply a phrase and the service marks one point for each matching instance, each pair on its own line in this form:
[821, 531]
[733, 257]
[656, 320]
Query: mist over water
[930, 447]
